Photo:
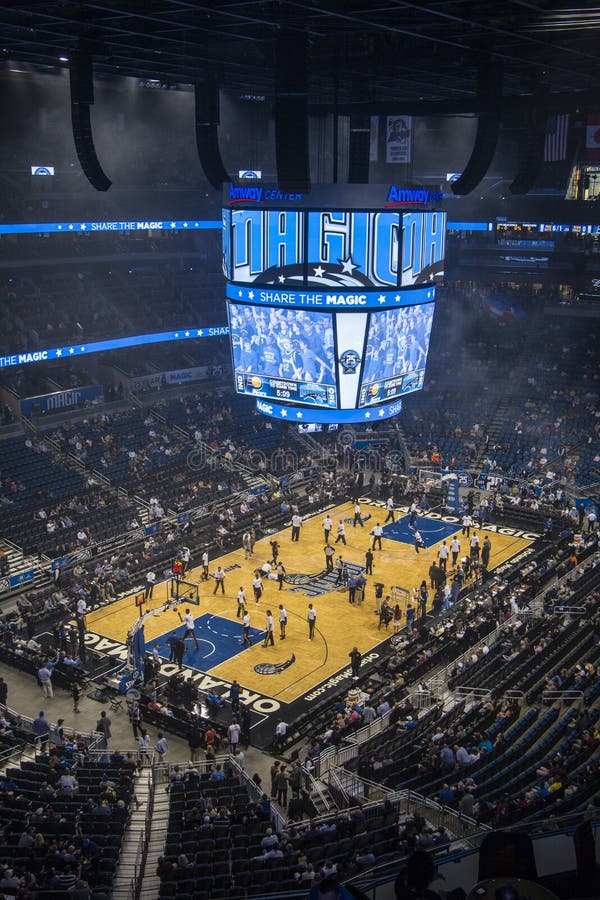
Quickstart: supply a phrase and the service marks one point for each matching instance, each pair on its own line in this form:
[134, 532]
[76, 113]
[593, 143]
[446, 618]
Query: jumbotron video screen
[330, 310]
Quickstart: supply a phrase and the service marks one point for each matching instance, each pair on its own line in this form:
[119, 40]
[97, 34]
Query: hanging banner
[398, 139]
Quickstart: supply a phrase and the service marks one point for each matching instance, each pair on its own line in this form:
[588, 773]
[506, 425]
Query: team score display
[276, 388]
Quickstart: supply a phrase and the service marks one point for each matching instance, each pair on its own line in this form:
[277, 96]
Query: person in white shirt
[467, 522]
[341, 533]
[144, 747]
[234, 735]
[241, 603]
[150, 582]
[413, 512]
[357, 516]
[266, 569]
[257, 587]
[282, 621]
[377, 533]
[204, 560]
[67, 784]
[81, 607]
[270, 625]
[188, 621]
[280, 734]
[296, 526]
[455, 550]
[327, 526]
[390, 510]
[219, 577]
[162, 746]
[311, 618]
[443, 554]
[246, 630]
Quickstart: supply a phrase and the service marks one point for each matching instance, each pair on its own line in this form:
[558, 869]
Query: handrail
[481, 693]
[566, 696]
[572, 610]
[370, 789]
[144, 843]
[18, 720]
[313, 785]
[334, 780]
[97, 754]
[332, 757]
[514, 694]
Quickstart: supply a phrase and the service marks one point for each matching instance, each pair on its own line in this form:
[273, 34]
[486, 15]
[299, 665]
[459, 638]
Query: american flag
[557, 132]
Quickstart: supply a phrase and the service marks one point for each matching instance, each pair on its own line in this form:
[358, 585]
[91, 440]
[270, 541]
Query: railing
[338, 791]
[142, 758]
[358, 789]
[377, 882]
[312, 786]
[17, 720]
[474, 692]
[514, 694]
[144, 842]
[14, 429]
[577, 612]
[332, 757]
[441, 673]
[423, 699]
[563, 697]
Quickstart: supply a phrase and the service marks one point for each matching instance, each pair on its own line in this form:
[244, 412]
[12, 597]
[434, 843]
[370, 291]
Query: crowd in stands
[222, 842]
[535, 420]
[121, 289]
[496, 762]
[63, 820]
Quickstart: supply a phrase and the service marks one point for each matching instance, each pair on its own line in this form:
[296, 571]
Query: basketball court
[295, 669]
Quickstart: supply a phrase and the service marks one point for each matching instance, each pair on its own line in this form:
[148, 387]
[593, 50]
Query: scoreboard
[330, 311]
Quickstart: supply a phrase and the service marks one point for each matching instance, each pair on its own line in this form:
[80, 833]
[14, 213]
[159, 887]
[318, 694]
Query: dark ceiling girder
[407, 51]
[568, 102]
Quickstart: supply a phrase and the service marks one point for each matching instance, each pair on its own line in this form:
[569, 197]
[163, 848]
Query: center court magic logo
[320, 583]
[365, 518]
[269, 668]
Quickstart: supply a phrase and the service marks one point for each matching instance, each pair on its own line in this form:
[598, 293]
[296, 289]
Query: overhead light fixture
[63, 59]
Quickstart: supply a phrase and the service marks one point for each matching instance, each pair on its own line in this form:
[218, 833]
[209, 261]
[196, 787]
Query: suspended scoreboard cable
[330, 310]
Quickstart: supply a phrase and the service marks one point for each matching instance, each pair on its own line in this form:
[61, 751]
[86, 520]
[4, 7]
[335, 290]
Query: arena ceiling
[399, 54]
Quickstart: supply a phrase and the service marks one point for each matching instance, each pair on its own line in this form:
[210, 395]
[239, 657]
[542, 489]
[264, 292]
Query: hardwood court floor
[339, 626]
